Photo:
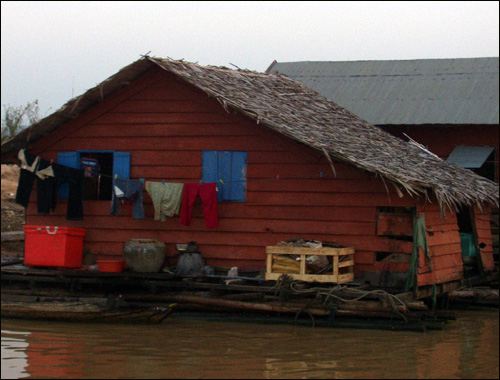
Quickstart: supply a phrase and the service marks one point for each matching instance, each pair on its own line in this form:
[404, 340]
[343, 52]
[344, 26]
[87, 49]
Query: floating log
[475, 297]
[263, 307]
[353, 306]
[12, 236]
[482, 293]
[371, 306]
[462, 294]
[416, 306]
[242, 296]
[12, 262]
[236, 305]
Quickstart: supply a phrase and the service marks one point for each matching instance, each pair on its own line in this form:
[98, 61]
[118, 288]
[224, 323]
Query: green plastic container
[468, 246]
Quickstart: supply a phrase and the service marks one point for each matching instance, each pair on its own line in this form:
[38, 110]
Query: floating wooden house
[287, 163]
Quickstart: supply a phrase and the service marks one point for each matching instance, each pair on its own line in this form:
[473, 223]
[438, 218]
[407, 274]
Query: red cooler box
[53, 246]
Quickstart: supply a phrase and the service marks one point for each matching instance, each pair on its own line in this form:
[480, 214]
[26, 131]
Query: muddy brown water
[186, 348]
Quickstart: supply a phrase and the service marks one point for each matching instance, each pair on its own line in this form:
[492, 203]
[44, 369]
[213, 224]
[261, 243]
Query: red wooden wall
[482, 223]
[165, 124]
[444, 247]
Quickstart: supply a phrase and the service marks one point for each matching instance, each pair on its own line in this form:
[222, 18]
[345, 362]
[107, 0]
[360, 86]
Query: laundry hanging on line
[208, 195]
[129, 190]
[49, 177]
[167, 198]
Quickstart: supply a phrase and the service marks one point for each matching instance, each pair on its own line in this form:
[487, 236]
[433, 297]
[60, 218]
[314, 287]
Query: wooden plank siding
[165, 124]
[482, 224]
[444, 245]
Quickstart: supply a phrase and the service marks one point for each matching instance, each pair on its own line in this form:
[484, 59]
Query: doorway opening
[468, 242]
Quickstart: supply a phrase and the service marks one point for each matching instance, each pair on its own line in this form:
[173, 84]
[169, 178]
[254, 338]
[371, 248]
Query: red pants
[208, 195]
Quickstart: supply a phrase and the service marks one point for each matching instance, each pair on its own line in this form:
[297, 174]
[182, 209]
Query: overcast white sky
[52, 51]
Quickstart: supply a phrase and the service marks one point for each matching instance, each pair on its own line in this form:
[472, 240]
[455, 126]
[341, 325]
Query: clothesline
[277, 178]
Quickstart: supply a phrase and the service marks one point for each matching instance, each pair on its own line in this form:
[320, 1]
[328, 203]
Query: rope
[310, 315]
[285, 286]
[276, 178]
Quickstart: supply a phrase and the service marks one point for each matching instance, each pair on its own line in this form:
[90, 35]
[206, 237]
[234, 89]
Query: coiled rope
[286, 286]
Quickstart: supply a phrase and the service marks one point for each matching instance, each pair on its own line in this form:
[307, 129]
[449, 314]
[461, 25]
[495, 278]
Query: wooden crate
[342, 259]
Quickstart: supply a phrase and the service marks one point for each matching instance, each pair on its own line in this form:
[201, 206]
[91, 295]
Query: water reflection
[467, 350]
[13, 352]
[181, 348]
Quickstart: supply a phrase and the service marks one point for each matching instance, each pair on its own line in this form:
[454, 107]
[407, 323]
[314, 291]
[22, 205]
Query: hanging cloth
[49, 177]
[46, 187]
[24, 157]
[419, 241]
[32, 167]
[74, 179]
[45, 173]
[208, 195]
[127, 190]
[29, 163]
[167, 198]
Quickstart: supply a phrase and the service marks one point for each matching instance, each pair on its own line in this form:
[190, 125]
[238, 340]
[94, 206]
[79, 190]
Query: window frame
[72, 159]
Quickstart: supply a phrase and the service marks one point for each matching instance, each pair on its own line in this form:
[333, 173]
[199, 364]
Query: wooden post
[302, 264]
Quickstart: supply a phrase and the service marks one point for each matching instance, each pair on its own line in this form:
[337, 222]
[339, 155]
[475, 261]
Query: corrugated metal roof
[424, 91]
[471, 157]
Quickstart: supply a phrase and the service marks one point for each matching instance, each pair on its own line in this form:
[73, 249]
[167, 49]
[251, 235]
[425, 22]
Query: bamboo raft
[242, 298]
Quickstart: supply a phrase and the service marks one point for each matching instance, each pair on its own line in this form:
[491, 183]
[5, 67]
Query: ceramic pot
[144, 255]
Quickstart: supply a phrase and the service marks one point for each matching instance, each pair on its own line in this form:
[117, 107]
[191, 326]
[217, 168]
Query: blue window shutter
[209, 166]
[224, 163]
[238, 176]
[121, 164]
[209, 159]
[230, 167]
[72, 160]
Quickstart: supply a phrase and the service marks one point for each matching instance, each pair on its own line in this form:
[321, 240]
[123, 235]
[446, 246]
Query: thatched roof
[300, 113]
